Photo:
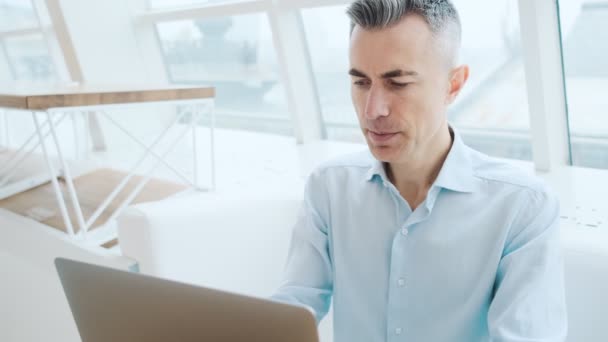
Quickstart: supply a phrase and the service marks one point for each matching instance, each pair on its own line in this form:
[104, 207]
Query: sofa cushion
[235, 242]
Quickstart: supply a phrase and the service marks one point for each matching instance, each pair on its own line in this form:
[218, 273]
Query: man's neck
[414, 178]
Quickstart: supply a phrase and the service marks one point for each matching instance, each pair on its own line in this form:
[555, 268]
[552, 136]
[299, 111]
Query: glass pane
[492, 111]
[6, 74]
[16, 14]
[584, 26]
[327, 31]
[157, 4]
[235, 55]
[29, 58]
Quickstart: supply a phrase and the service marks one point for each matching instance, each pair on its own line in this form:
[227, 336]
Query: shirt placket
[397, 306]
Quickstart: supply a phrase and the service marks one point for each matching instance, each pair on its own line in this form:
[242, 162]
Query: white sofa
[218, 240]
[239, 243]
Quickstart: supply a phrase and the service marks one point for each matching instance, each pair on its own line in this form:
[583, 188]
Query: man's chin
[387, 154]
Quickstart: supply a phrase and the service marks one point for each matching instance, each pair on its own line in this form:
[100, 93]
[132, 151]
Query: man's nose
[376, 104]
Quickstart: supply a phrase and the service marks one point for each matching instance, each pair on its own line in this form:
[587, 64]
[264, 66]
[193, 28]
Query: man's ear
[458, 78]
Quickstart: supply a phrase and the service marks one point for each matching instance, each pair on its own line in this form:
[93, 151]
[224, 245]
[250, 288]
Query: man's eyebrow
[399, 73]
[389, 74]
[356, 73]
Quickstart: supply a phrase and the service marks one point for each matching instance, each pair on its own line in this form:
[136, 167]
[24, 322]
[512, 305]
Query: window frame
[47, 33]
[550, 138]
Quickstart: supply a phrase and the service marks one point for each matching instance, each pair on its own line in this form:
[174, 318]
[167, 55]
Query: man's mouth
[379, 136]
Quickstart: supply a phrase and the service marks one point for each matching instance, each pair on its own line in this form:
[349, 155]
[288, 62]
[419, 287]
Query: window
[584, 28]
[17, 15]
[160, 4]
[24, 51]
[491, 113]
[236, 55]
[327, 31]
[29, 58]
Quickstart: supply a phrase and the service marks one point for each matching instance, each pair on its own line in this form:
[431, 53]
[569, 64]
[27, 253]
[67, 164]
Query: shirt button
[398, 331]
[401, 282]
[404, 231]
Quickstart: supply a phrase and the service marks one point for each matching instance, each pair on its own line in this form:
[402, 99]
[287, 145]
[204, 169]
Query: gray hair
[440, 15]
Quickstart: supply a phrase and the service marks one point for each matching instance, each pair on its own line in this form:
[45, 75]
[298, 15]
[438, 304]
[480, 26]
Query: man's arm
[308, 279]
[529, 302]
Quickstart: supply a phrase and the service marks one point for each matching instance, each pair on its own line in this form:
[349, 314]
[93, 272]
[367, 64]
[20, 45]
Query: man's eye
[361, 82]
[399, 85]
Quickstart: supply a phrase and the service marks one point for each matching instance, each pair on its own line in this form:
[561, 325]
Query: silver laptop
[120, 306]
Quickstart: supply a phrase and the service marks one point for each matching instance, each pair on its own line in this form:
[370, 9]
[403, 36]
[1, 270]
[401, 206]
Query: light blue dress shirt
[478, 260]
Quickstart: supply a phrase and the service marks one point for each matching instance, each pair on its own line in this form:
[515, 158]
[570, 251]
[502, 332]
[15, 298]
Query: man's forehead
[408, 46]
[380, 59]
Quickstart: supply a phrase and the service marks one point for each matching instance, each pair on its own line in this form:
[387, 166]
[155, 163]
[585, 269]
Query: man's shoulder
[337, 174]
[506, 173]
[531, 197]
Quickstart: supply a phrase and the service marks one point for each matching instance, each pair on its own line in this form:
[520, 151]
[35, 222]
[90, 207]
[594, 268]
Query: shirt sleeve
[308, 276]
[529, 301]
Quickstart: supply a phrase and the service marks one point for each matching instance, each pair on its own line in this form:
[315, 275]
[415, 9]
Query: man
[425, 240]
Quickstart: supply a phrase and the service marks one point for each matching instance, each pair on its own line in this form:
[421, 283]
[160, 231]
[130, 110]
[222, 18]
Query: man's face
[400, 88]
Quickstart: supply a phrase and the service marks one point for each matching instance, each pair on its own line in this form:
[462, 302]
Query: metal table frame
[55, 116]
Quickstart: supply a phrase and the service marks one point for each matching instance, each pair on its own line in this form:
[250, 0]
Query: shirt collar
[456, 173]
[377, 169]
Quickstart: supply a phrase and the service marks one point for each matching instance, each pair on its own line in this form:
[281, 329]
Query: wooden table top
[44, 98]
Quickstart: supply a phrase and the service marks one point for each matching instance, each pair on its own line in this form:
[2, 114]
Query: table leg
[77, 152]
[68, 180]
[147, 178]
[5, 137]
[87, 137]
[212, 142]
[131, 174]
[95, 131]
[195, 169]
[11, 166]
[54, 181]
[149, 149]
